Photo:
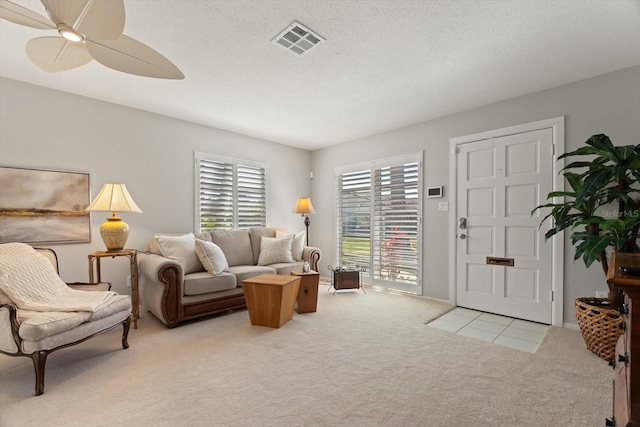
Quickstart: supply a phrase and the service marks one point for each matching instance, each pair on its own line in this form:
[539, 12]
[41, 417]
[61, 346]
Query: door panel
[500, 181]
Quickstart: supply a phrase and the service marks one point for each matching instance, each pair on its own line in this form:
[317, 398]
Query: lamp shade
[304, 206]
[113, 198]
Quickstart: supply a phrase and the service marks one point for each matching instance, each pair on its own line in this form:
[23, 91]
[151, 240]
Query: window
[354, 219]
[378, 217]
[230, 193]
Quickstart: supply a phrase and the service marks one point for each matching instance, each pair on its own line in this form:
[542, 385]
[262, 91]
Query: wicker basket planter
[600, 325]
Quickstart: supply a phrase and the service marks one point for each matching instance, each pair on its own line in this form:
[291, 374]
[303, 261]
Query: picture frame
[44, 206]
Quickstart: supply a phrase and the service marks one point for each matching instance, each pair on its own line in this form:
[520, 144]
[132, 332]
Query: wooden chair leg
[125, 333]
[39, 360]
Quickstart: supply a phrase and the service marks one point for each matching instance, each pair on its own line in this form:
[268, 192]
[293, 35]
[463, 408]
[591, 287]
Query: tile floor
[514, 333]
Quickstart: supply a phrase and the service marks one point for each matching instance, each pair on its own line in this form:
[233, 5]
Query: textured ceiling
[385, 64]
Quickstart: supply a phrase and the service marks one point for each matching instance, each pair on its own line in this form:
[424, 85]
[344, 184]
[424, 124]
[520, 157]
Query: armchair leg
[125, 333]
[39, 359]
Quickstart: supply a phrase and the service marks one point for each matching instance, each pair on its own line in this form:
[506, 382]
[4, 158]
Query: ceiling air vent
[298, 39]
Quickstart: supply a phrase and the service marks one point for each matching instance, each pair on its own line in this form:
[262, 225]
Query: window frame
[373, 167]
[234, 164]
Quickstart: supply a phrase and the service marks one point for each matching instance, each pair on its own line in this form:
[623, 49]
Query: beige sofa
[176, 286]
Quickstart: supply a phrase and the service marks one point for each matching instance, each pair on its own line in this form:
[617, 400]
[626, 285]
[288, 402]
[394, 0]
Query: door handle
[462, 236]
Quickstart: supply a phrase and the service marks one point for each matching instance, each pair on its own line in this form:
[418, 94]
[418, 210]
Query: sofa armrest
[10, 341]
[162, 281]
[153, 266]
[312, 255]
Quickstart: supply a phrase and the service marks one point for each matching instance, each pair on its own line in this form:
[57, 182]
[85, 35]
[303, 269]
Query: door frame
[556, 125]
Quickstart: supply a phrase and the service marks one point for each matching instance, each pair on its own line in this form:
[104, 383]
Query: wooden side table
[270, 299]
[132, 254]
[308, 291]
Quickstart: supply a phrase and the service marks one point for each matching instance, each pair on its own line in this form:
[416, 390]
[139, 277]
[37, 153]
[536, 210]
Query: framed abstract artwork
[44, 206]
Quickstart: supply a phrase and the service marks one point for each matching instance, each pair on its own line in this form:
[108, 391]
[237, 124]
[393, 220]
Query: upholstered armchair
[28, 328]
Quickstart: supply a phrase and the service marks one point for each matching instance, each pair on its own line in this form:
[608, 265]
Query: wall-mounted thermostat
[434, 192]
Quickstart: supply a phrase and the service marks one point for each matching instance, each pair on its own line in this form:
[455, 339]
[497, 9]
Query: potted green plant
[601, 208]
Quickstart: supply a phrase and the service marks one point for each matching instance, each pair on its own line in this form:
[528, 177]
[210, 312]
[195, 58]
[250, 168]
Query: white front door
[503, 265]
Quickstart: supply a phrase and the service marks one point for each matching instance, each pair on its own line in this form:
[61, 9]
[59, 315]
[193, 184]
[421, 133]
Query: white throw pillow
[180, 249]
[211, 257]
[274, 251]
[298, 244]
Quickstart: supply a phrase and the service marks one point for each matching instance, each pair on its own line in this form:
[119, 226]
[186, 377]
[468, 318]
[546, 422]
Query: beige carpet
[361, 360]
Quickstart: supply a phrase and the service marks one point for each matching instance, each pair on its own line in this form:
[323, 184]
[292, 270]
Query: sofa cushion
[256, 234]
[35, 325]
[203, 236]
[122, 302]
[152, 244]
[211, 257]
[297, 246]
[78, 333]
[180, 249]
[274, 250]
[204, 283]
[243, 272]
[285, 268]
[235, 244]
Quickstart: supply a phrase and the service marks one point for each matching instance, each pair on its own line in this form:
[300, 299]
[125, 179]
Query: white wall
[153, 155]
[150, 153]
[607, 104]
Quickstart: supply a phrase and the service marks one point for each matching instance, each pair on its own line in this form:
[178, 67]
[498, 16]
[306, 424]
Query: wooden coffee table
[308, 291]
[270, 298]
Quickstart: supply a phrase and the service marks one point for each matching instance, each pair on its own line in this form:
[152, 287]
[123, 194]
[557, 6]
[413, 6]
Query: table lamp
[304, 207]
[113, 198]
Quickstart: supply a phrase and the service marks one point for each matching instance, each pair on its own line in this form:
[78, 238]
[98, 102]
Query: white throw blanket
[30, 280]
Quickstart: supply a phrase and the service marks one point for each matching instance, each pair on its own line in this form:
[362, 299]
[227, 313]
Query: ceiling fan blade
[97, 19]
[54, 54]
[131, 56]
[23, 16]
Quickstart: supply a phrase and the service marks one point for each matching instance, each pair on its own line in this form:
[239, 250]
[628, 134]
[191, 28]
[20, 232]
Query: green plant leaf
[603, 197]
[589, 247]
[592, 184]
[603, 145]
[574, 180]
[625, 152]
[582, 151]
[576, 165]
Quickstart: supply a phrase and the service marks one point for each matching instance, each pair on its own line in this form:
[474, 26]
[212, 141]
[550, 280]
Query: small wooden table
[270, 299]
[132, 254]
[308, 291]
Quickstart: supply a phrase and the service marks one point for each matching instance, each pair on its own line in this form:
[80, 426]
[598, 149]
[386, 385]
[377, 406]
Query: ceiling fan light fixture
[70, 34]
[87, 29]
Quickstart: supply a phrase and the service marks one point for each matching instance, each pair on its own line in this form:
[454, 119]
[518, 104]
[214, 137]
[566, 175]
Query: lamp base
[115, 233]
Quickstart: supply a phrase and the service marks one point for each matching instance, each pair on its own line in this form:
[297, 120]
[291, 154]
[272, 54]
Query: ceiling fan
[89, 29]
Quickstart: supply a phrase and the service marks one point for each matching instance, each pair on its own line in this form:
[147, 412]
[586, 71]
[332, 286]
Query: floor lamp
[304, 208]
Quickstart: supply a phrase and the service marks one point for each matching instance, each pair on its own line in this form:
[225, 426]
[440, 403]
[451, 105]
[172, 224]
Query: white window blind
[230, 193]
[395, 225]
[251, 197]
[354, 219]
[379, 220]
